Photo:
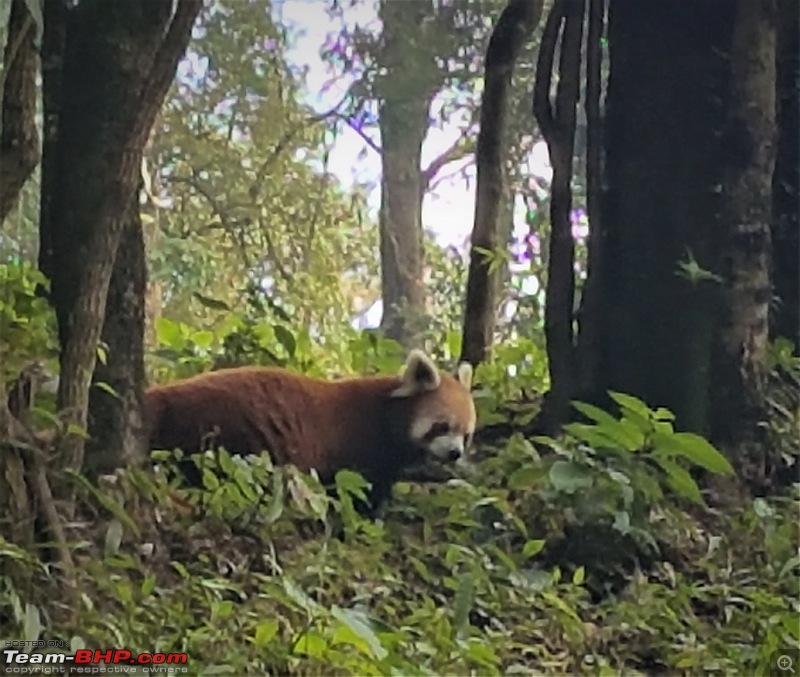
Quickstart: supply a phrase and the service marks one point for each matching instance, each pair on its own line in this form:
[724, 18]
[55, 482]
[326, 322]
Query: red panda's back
[300, 420]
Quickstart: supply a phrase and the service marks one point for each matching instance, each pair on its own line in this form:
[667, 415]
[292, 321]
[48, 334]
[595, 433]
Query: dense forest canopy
[583, 212]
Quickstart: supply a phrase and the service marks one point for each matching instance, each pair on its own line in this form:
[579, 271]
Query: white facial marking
[449, 447]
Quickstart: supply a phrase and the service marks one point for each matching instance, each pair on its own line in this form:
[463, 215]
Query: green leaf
[148, 585]
[454, 343]
[622, 522]
[579, 576]
[631, 403]
[590, 434]
[483, 654]
[77, 430]
[700, 451]
[226, 463]
[32, 624]
[286, 339]
[300, 598]
[569, 477]
[203, 339]
[533, 547]
[169, 333]
[594, 413]
[555, 601]
[102, 385]
[359, 624]
[265, 632]
[311, 644]
[113, 538]
[524, 477]
[680, 480]
[210, 480]
[462, 604]
[663, 414]
[278, 498]
[352, 483]
[623, 433]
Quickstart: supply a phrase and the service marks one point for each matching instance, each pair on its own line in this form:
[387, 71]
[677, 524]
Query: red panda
[376, 425]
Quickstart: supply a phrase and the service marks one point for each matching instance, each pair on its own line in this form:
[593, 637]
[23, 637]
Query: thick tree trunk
[115, 416]
[662, 203]
[513, 27]
[405, 97]
[19, 143]
[739, 358]
[112, 65]
[786, 182]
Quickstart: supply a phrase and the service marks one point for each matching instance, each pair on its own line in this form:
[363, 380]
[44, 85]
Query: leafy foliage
[245, 204]
[452, 581]
[27, 323]
[617, 469]
[263, 570]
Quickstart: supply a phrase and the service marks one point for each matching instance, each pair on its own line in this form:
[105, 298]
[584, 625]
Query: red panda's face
[442, 415]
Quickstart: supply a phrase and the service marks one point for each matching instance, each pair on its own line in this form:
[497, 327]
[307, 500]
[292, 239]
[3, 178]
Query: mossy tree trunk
[786, 180]
[738, 374]
[107, 69]
[405, 92]
[115, 415]
[19, 141]
[662, 203]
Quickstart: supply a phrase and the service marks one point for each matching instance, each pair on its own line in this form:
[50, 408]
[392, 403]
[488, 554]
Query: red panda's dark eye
[437, 430]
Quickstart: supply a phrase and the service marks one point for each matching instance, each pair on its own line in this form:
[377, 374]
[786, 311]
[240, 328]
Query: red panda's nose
[454, 454]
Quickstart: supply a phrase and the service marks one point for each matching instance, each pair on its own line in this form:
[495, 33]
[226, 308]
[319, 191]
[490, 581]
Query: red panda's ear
[464, 375]
[419, 375]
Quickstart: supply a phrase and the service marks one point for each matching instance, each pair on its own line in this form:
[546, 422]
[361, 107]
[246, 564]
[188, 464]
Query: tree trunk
[558, 122]
[739, 359]
[19, 143]
[405, 96]
[115, 418]
[112, 64]
[786, 182]
[591, 311]
[513, 27]
[662, 202]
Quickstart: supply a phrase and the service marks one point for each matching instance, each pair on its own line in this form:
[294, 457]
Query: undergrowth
[597, 554]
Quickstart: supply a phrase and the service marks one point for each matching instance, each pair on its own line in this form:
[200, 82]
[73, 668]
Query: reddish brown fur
[326, 425]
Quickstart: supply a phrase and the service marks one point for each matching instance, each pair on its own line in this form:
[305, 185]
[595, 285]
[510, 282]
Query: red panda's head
[441, 414]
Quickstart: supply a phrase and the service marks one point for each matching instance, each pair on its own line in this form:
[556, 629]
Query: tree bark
[786, 181]
[514, 26]
[739, 358]
[115, 417]
[19, 143]
[662, 203]
[405, 96]
[112, 65]
[557, 123]
[591, 311]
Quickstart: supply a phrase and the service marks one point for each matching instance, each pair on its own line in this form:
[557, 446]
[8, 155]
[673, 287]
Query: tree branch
[461, 148]
[165, 64]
